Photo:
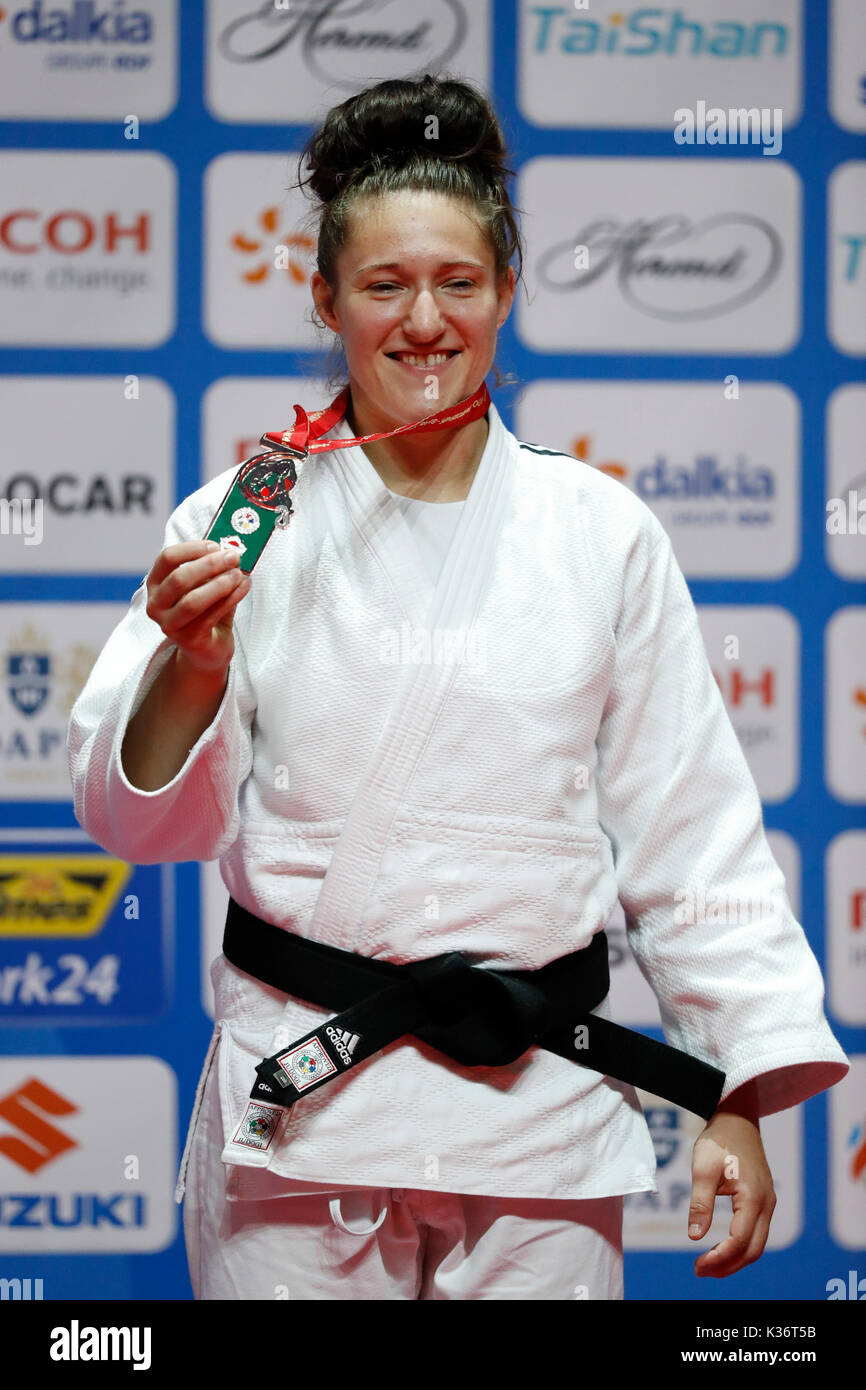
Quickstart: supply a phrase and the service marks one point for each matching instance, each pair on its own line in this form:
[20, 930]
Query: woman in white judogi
[363, 790]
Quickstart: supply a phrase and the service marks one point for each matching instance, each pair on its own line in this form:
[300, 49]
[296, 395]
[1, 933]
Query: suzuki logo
[21, 1108]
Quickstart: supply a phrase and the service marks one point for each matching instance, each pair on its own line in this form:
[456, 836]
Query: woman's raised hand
[193, 589]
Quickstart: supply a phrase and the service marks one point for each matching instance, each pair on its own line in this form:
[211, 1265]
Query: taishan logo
[657, 32]
[272, 252]
[25, 1110]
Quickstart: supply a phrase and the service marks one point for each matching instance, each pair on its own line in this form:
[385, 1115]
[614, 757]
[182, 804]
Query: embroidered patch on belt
[307, 1063]
[259, 1125]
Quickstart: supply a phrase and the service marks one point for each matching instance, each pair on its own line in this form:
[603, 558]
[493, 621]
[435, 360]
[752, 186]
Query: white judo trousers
[364, 1243]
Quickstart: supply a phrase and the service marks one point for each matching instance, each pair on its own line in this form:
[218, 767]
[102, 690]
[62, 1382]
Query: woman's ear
[506, 296]
[324, 301]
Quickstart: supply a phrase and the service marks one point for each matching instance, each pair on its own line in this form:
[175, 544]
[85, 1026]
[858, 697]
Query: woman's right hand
[192, 593]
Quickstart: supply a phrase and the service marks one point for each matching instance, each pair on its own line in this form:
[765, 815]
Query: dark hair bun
[388, 124]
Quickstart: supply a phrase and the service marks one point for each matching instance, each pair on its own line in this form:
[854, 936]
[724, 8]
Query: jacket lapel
[380, 520]
[421, 689]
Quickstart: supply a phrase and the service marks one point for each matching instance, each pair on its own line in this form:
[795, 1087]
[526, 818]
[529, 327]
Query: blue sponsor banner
[83, 936]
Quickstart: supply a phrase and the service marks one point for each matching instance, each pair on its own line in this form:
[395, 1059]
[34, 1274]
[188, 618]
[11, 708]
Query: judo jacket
[485, 764]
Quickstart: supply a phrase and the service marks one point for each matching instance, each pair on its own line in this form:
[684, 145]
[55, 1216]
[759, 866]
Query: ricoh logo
[343, 1043]
[71, 231]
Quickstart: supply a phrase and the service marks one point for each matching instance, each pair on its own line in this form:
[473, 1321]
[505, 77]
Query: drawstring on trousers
[339, 1220]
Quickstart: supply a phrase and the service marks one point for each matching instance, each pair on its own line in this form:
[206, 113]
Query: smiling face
[416, 280]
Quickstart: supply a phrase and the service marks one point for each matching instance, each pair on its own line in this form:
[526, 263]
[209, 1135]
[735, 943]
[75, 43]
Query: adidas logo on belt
[344, 1043]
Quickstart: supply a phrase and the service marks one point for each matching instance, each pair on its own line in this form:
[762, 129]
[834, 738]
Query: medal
[258, 501]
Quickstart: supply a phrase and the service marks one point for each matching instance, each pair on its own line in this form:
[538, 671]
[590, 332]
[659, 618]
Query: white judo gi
[365, 786]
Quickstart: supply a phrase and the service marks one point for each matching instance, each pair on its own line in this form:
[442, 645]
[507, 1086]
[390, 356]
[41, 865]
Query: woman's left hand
[728, 1159]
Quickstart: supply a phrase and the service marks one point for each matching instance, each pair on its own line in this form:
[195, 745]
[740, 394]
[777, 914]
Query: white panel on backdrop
[260, 254]
[754, 653]
[845, 891]
[107, 493]
[87, 248]
[845, 499]
[237, 410]
[846, 257]
[660, 255]
[720, 471]
[848, 63]
[632, 1000]
[89, 62]
[88, 1151]
[786, 852]
[48, 650]
[659, 1220]
[611, 65]
[847, 1167]
[845, 704]
[288, 63]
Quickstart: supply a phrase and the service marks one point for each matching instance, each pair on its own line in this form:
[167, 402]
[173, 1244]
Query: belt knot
[480, 1017]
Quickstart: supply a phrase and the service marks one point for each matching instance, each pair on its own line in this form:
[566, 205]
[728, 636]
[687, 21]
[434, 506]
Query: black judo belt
[477, 1016]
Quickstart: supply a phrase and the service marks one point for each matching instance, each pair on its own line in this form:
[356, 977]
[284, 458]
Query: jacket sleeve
[195, 815]
[707, 913]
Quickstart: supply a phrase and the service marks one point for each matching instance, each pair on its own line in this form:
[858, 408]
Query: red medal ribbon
[304, 435]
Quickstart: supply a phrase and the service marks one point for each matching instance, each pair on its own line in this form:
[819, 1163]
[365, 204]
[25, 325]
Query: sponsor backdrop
[693, 185]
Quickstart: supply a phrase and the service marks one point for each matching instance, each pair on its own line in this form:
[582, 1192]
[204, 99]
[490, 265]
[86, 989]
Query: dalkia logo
[705, 478]
[80, 22]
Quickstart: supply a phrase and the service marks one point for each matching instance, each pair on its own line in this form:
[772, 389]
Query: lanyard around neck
[304, 436]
